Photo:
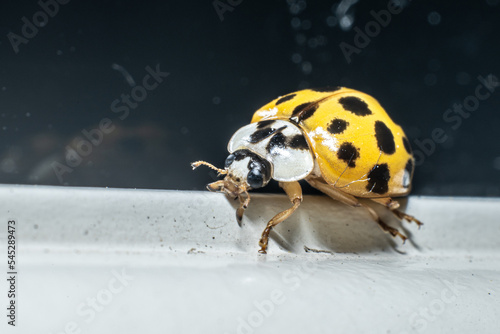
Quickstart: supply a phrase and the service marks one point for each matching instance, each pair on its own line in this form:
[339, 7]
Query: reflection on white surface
[109, 260]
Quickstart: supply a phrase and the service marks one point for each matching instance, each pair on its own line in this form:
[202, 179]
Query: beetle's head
[244, 170]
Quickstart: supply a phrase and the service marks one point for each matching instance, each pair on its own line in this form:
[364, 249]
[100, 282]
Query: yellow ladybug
[341, 141]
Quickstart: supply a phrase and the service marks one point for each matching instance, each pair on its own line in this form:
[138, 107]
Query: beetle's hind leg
[350, 200]
[393, 205]
[294, 192]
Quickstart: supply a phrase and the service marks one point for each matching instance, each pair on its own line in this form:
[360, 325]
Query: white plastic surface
[142, 261]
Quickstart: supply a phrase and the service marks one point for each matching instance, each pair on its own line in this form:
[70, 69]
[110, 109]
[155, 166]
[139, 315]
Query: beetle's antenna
[197, 164]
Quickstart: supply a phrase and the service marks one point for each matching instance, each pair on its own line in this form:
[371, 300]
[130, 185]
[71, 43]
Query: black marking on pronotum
[260, 135]
[285, 98]
[385, 138]
[326, 89]
[298, 142]
[242, 154]
[263, 124]
[304, 111]
[355, 105]
[277, 141]
[349, 153]
[337, 126]
[378, 179]
[407, 145]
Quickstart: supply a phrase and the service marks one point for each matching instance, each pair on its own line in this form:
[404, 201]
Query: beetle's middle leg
[294, 192]
[350, 200]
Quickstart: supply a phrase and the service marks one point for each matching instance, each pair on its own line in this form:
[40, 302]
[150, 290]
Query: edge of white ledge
[192, 269]
[136, 220]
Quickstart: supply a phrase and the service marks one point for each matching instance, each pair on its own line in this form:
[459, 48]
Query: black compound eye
[229, 160]
[255, 178]
[253, 164]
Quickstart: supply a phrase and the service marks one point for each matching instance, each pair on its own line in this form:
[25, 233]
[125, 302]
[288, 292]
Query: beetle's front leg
[294, 192]
[243, 205]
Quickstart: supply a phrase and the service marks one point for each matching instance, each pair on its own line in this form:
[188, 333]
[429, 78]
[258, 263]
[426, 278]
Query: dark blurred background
[71, 68]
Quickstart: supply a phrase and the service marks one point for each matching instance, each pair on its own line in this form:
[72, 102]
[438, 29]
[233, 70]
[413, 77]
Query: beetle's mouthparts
[217, 186]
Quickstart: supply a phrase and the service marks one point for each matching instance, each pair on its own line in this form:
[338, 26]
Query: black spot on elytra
[408, 173]
[355, 105]
[260, 135]
[300, 107]
[409, 169]
[407, 145]
[349, 153]
[276, 142]
[304, 111]
[263, 124]
[409, 166]
[337, 126]
[326, 89]
[379, 178]
[285, 98]
[298, 142]
[385, 138]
